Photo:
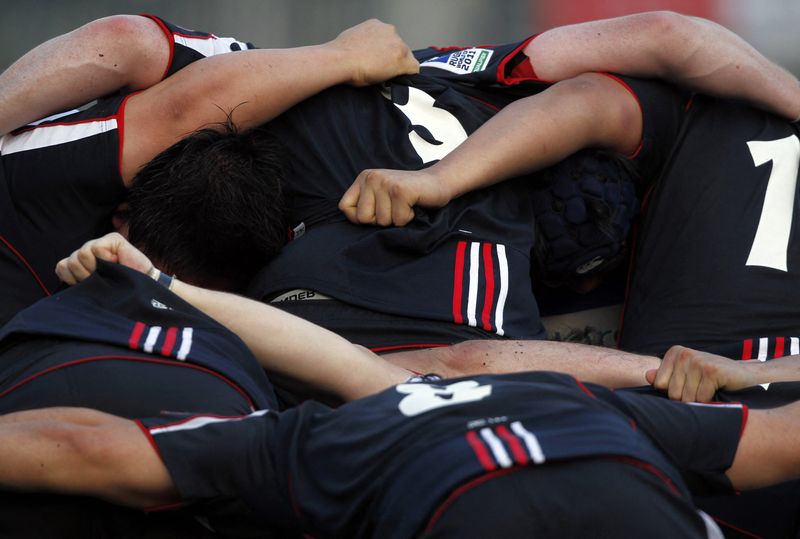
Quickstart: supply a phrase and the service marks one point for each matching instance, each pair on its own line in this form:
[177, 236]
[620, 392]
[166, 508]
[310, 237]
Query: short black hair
[211, 208]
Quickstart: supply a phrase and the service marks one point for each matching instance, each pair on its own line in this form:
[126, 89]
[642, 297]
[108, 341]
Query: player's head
[211, 207]
[584, 208]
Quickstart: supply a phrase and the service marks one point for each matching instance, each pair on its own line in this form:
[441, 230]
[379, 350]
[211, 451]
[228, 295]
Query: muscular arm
[591, 110]
[690, 51]
[606, 366]
[70, 70]
[84, 452]
[255, 86]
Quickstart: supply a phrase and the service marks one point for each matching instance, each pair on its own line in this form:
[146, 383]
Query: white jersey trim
[52, 135]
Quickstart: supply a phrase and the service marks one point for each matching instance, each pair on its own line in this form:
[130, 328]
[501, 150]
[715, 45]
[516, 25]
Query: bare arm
[606, 366]
[281, 342]
[256, 86]
[85, 452]
[690, 375]
[70, 70]
[690, 51]
[530, 134]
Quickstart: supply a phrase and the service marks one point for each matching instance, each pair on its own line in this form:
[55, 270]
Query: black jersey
[121, 315]
[60, 181]
[379, 467]
[718, 255]
[468, 263]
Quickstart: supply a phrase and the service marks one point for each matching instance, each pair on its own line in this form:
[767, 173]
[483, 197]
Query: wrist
[164, 279]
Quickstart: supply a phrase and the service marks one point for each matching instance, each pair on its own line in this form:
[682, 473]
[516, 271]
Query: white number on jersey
[423, 398]
[771, 243]
[444, 127]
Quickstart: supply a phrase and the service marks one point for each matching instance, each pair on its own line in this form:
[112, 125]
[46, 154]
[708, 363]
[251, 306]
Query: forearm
[606, 366]
[691, 51]
[296, 348]
[767, 452]
[70, 70]
[538, 131]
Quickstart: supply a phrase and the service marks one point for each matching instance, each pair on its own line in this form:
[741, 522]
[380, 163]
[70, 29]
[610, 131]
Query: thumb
[650, 376]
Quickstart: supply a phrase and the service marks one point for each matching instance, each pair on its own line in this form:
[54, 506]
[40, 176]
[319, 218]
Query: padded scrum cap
[584, 208]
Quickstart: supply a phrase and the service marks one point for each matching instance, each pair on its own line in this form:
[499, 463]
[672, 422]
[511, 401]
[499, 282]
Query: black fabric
[575, 499]
[381, 466]
[691, 282]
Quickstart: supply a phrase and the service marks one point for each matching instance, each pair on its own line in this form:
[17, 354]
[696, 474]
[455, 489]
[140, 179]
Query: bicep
[631, 45]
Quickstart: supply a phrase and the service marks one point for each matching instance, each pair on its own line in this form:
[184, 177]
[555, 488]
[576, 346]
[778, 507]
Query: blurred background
[773, 26]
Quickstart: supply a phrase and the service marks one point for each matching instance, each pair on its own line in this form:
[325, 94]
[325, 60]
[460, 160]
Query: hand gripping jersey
[380, 466]
[718, 257]
[119, 315]
[60, 181]
[466, 264]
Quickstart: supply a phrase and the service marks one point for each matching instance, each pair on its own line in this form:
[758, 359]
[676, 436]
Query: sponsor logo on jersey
[299, 295]
[158, 305]
[462, 62]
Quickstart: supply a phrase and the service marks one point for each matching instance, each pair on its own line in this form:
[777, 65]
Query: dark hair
[211, 208]
[584, 207]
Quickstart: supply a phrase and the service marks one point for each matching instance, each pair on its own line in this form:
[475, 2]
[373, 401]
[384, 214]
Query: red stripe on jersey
[520, 75]
[779, 346]
[458, 282]
[136, 334]
[747, 349]
[121, 135]
[488, 275]
[520, 456]
[169, 341]
[584, 388]
[460, 491]
[170, 41]
[27, 265]
[481, 452]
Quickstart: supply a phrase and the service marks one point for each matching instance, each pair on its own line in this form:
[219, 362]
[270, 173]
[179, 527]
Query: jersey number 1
[771, 243]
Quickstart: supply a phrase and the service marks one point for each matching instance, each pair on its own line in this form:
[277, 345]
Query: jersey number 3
[771, 243]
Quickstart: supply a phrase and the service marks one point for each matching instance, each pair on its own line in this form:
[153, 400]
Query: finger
[63, 272]
[383, 207]
[677, 380]
[365, 209]
[349, 201]
[691, 382]
[402, 207]
[707, 389]
[664, 373]
[76, 268]
[650, 376]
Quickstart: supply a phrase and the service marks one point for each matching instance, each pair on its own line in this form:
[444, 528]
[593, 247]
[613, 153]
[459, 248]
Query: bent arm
[690, 51]
[254, 86]
[84, 452]
[69, 70]
[532, 133]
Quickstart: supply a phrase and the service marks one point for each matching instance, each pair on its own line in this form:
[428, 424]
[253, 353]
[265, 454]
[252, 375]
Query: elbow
[674, 40]
[131, 47]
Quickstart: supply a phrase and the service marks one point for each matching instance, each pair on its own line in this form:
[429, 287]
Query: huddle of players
[486, 267]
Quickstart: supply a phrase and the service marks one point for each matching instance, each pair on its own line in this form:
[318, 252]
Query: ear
[119, 220]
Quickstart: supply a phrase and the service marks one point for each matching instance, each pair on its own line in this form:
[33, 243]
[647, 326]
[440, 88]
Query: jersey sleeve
[187, 46]
[663, 109]
[700, 439]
